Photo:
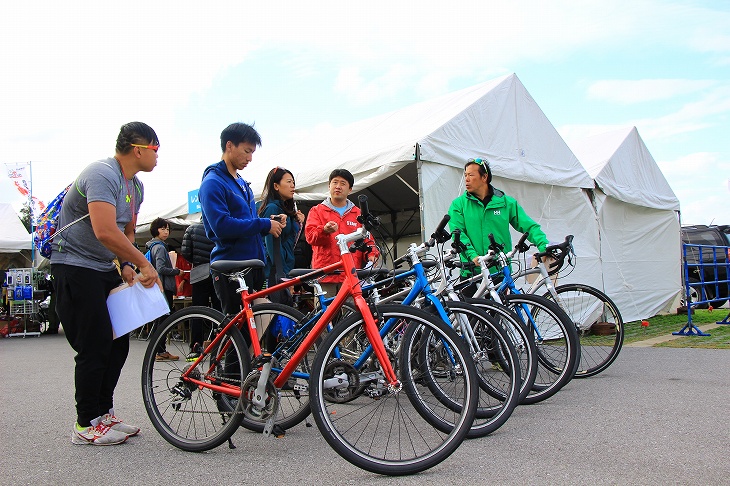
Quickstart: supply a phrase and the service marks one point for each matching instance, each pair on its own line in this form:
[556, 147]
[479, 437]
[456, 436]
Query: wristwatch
[127, 264]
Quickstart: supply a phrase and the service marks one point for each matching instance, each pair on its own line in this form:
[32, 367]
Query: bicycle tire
[497, 364]
[186, 415]
[523, 341]
[556, 342]
[383, 431]
[587, 306]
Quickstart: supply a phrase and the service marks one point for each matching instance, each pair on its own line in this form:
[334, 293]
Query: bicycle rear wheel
[556, 341]
[599, 325]
[496, 361]
[523, 341]
[187, 415]
[383, 429]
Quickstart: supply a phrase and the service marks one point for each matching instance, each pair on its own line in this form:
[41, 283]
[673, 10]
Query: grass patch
[719, 338]
[664, 325]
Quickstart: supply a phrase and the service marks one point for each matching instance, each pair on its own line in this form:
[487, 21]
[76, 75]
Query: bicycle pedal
[262, 359]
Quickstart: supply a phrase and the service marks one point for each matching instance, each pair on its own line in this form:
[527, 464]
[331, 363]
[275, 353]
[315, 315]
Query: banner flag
[19, 173]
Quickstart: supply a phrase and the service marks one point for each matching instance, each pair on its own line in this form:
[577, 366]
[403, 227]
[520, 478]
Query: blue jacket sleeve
[269, 238]
[216, 196]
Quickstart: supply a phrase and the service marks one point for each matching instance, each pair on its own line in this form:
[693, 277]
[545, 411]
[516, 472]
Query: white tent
[13, 238]
[638, 222]
[410, 162]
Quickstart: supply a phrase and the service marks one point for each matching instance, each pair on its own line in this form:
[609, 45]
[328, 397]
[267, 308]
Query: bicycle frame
[350, 287]
[487, 286]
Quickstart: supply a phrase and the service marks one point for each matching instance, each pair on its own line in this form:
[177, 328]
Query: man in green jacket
[484, 209]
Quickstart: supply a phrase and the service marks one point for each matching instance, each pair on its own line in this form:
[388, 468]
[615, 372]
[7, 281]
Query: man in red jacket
[335, 215]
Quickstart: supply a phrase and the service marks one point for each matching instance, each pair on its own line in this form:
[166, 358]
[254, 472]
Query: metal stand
[24, 309]
[690, 330]
[25, 333]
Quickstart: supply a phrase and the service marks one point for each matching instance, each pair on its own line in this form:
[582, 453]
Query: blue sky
[74, 72]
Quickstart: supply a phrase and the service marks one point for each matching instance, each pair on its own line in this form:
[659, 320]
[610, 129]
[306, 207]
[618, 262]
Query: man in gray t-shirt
[99, 181]
[101, 208]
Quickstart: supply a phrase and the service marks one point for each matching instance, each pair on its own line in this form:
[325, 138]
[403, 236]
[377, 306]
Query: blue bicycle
[495, 352]
[555, 335]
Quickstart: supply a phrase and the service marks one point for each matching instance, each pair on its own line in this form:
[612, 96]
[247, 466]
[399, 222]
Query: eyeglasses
[477, 161]
[151, 147]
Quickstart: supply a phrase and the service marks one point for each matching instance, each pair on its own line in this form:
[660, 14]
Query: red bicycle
[375, 383]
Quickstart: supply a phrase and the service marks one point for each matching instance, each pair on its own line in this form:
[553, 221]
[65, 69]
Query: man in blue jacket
[229, 213]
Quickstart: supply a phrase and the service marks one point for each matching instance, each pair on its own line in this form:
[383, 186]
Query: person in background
[160, 231]
[229, 214]
[278, 198]
[196, 248]
[484, 209]
[183, 288]
[82, 264]
[4, 302]
[335, 215]
[53, 322]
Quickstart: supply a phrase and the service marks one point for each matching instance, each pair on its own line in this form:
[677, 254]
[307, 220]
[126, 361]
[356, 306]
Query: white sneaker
[114, 423]
[96, 434]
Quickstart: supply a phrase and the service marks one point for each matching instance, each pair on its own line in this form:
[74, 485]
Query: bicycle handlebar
[557, 252]
[438, 236]
[493, 245]
[521, 246]
[441, 235]
[457, 245]
[366, 218]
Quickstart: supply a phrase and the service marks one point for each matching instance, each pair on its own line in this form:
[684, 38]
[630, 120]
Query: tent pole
[30, 212]
[421, 203]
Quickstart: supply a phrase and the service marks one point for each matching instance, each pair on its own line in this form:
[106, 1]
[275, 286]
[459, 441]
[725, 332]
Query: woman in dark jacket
[278, 198]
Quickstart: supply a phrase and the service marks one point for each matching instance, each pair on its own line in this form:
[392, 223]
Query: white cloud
[643, 90]
[699, 180]
[711, 110]
[680, 168]
[78, 71]
[574, 133]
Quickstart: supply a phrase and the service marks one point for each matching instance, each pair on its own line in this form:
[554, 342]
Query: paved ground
[657, 416]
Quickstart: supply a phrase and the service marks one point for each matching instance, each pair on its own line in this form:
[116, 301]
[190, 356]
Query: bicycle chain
[227, 380]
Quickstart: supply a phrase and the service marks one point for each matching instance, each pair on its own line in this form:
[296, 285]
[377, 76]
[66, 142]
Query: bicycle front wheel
[186, 414]
[383, 428]
[599, 325]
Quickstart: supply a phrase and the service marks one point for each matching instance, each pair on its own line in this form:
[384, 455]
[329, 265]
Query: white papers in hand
[132, 307]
